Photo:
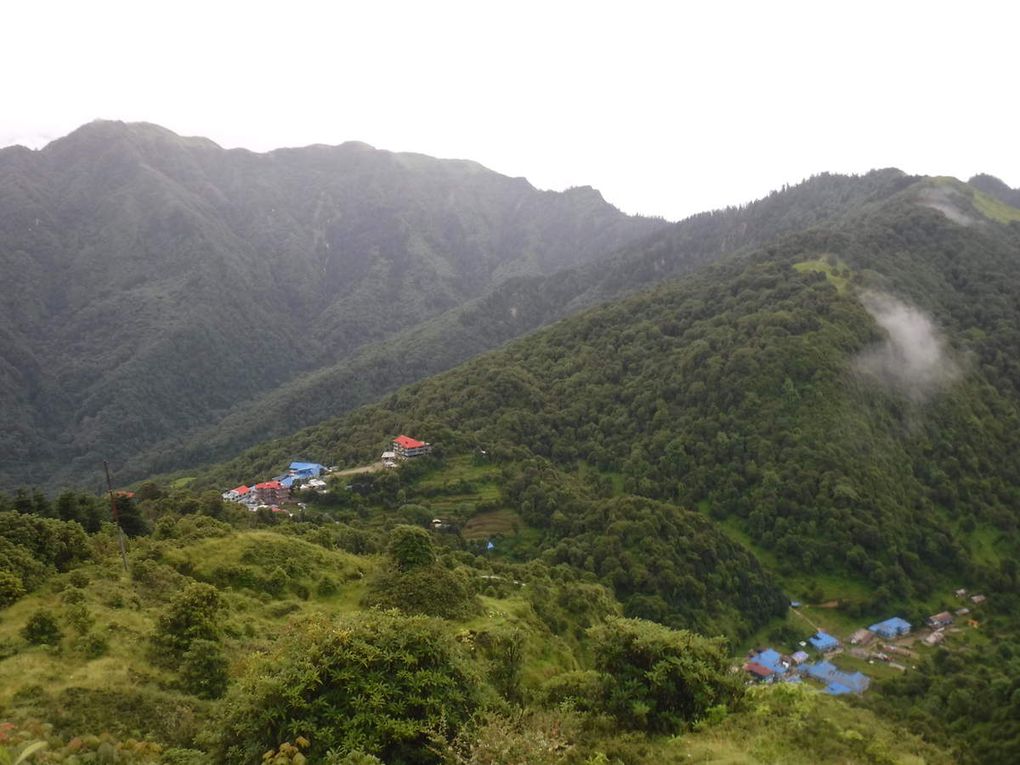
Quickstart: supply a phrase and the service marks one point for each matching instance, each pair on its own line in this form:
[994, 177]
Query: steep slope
[785, 391]
[512, 309]
[154, 281]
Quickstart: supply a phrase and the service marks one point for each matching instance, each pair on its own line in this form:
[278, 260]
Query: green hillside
[153, 282]
[616, 508]
[512, 309]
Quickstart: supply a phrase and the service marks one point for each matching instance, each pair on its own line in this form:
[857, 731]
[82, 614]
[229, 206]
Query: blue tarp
[891, 628]
[823, 641]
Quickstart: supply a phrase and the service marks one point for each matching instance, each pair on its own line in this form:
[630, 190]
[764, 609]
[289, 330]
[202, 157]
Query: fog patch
[913, 359]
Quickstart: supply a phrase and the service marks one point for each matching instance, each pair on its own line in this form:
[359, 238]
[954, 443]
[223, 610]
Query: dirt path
[375, 467]
[814, 626]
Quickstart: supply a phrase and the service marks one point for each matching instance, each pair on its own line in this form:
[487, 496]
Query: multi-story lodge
[406, 447]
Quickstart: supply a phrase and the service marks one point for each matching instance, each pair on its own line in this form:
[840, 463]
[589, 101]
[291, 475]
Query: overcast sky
[668, 108]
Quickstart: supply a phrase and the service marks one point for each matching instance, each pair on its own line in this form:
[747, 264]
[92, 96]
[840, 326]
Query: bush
[42, 629]
[400, 685]
[92, 645]
[429, 590]
[658, 679]
[11, 588]
[193, 614]
[410, 547]
[204, 669]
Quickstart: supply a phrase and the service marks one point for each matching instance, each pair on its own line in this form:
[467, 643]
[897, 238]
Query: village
[891, 641]
[276, 492]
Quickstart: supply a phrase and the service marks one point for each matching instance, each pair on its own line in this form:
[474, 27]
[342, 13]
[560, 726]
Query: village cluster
[275, 492]
[884, 641]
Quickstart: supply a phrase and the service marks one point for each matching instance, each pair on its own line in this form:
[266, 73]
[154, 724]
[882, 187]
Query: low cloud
[912, 360]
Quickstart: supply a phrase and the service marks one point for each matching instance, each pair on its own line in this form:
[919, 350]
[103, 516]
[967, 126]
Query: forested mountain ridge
[152, 281]
[830, 416]
[759, 389]
[512, 309]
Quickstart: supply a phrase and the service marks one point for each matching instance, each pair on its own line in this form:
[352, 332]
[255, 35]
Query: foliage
[432, 590]
[399, 684]
[661, 680]
[204, 669]
[11, 588]
[410, 547]
[318, 244]
[42, 629]
[193, 615]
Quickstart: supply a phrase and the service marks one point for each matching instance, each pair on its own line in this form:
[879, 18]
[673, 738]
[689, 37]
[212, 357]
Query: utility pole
[116, 517]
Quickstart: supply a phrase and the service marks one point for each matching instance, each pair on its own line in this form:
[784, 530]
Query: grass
[833, 272]
[993, 209]
[491, 524]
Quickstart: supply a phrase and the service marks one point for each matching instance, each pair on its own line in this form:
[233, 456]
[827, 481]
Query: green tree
[205, 669]
[658, 679]
[193, 614]
[410, 547]
[42, 629]
[396, 687]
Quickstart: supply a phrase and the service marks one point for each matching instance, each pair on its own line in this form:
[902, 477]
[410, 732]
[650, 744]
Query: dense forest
[616, 507]
[152, 282]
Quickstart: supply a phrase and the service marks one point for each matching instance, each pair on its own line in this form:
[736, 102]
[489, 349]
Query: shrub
[400, 684]
[429, 590]
[11, 588]
[92, 645]
[79, 617]
[658, 679]
[193, 614]
[410, 547]
[42, 629]
[204, 669]
[78, 578]
[73, 595]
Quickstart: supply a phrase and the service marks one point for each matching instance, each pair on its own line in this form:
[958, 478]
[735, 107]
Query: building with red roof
[271, 492]
[406, 447]
[238, 494]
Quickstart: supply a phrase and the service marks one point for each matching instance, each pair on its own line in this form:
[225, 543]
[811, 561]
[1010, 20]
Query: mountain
[828, 415]
[509, 310]
[845, 397]
[154, 281]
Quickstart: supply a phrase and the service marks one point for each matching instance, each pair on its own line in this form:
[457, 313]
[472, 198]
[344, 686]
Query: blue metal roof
[853, 682]
[823, 641]
[771, 659]
[891, 627]
[314, 467]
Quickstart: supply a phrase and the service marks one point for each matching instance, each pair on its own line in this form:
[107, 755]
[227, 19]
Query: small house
[891, 628]
[838, 682]
[934, 638]
[773, 660]
[759, 672]
[823, 641]
[977, 600]
[960, 593]
[799, 657]
[408, 448]
[237, 494]
[943, 619]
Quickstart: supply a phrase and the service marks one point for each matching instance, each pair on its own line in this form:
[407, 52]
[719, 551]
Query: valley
[741, 488]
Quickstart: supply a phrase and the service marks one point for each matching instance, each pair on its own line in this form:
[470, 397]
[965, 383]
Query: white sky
[668, 108]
